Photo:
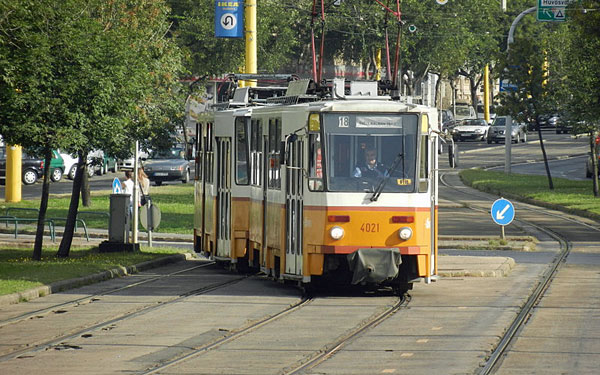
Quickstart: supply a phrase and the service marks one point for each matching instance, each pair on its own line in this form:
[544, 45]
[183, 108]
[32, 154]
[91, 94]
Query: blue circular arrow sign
[503, 211]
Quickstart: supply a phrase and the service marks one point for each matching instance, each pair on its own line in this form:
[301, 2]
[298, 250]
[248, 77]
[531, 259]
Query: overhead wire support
[317, 74]
[398, 16]
[387, 44]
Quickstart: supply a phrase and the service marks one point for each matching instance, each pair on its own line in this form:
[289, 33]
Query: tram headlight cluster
[405, 233]
[336, 232]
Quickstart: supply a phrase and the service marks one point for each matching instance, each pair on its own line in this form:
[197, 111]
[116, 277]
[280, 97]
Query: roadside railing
[10, 216]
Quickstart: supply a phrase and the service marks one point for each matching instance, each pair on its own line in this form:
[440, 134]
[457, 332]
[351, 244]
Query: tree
[82, 75]
[279, 25]
[525, 66]
[575, 67]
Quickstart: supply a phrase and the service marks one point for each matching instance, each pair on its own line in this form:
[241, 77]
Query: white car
[127, 164]
[71, 165]
[470, 129]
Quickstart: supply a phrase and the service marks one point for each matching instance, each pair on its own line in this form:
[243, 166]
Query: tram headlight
[405, 233]
[336, 232]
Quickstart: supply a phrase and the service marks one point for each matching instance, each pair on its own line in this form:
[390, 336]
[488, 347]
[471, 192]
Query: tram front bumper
[374, 265]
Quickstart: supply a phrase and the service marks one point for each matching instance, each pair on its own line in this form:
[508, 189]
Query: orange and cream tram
[337, 188]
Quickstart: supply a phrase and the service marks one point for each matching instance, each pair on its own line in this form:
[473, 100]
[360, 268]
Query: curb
[502, 271]
[63, 285]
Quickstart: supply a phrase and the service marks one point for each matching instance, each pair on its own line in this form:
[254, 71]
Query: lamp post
[508, 128]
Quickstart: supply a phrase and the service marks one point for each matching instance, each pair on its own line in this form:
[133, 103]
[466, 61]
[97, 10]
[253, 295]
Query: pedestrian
[128, 189]
[144, 183]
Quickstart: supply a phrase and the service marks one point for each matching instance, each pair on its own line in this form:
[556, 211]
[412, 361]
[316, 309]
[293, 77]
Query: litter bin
[118, 226]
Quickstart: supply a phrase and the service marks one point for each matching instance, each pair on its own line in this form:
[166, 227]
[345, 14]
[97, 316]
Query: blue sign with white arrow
[116, 186]
[503, 211]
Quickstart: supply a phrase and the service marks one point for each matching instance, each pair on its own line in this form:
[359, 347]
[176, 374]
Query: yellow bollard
[13, 174]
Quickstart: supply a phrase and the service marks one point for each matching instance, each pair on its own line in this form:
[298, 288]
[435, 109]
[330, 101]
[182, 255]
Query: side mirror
[283, 148]
[282, 153]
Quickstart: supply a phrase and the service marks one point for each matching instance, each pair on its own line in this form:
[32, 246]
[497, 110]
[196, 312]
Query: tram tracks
[494, 360]
[322, 356]
[107, 324]
[94, 297]
[308, 361]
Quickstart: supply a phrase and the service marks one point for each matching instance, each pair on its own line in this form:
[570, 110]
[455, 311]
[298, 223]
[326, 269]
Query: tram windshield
[366, 152]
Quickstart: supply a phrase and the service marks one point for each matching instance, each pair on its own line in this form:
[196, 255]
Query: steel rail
[533, 299]
[233, 336]
[60, 341]
[322, 355]
[538, 292]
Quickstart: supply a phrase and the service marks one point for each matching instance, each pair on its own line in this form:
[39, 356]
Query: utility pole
[250, 25]
[486, 93]
[508, 128]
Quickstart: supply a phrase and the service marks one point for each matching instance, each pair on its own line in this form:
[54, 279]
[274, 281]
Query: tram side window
[424, 165]
[241, 152]
[256, 153]
[315, 164]
[198, 157]
[209, 166]
[274, 152]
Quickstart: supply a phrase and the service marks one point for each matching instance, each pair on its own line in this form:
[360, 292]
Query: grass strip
[19, 273]
[176, 204]
[572, 196]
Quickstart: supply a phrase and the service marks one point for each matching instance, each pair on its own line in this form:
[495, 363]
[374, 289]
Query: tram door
[199, 185]
[294, 206]
[223, 177]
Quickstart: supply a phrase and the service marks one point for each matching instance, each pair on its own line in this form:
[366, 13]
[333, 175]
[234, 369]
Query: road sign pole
[507, 144]
[503, 213]
[150, 220]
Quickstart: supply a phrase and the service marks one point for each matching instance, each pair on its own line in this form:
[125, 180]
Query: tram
[336, 185]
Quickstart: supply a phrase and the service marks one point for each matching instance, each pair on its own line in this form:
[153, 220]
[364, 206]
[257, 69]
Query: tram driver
[370, 167]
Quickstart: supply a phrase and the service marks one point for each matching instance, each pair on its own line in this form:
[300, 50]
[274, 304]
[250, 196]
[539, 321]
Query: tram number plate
[369, 227]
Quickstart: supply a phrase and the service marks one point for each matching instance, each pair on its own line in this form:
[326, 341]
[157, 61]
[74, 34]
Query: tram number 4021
[369, 227]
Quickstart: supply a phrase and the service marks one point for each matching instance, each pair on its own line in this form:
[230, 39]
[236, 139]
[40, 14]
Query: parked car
[464, 111]
[101, 163]
[168, 165]
[470, 129]
[565, 123]
[481, 112]
[547, 121]
[32, 168]
[127, 164]
[447, 118]
[71, 162]
[498, 127]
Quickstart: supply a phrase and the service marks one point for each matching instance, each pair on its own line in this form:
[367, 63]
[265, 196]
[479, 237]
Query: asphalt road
[567, 155]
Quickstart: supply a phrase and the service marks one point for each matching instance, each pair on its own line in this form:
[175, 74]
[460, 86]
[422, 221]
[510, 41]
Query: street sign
[229, 19]
[116, 186]
[552, 10]
[503, 212]
[150, 218]
[505, 86]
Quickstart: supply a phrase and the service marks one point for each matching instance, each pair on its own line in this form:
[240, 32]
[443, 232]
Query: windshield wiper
[386, 176]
